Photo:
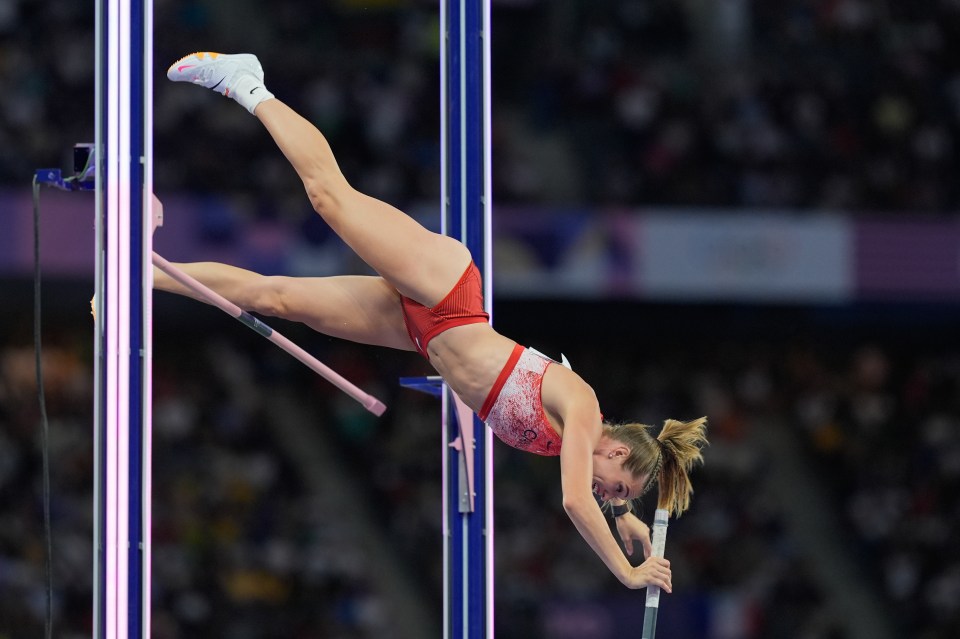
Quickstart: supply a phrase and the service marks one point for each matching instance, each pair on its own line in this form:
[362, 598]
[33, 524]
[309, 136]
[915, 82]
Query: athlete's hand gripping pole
[369, 402]
[659, 541]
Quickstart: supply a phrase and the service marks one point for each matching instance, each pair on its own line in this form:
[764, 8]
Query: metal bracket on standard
[84, 171]
[433, 385]
[465, 444]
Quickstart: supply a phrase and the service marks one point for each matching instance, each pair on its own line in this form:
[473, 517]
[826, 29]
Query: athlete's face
[610, 479]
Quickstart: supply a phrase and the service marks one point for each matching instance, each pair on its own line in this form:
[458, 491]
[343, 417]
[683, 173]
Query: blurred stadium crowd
[813, 104]
[840, 104]
[244, 547]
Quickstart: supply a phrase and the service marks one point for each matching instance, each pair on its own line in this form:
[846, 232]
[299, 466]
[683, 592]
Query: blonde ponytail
[680, 443]
[665, 460]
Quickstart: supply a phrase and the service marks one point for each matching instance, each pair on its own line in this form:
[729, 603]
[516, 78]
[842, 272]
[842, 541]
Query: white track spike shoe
[238, 76]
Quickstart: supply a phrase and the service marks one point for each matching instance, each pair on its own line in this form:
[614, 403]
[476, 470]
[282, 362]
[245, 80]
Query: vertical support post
[123, 348]
[466, 191]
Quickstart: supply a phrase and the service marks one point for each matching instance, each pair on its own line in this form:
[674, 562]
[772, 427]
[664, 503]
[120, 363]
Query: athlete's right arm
[578, 501]
[576, 470]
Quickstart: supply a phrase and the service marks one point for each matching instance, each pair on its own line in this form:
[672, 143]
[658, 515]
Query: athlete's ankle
[255, 111]
[249, 91]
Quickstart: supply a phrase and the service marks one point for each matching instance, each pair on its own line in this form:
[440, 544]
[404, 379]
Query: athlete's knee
[327, 194]
[270, 296]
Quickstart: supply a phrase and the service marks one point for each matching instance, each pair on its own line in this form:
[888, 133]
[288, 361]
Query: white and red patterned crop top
[513, 408]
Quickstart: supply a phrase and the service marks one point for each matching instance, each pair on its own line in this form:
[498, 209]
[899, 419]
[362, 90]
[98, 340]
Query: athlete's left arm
[631, 528]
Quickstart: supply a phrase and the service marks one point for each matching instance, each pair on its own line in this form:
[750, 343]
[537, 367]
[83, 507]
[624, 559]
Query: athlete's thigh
[363, 309]
[421, 264]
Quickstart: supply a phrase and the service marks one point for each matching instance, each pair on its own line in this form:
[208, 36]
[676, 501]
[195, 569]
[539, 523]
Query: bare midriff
[469, 358]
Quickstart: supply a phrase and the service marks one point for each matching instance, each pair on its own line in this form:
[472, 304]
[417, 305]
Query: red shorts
[462, 305]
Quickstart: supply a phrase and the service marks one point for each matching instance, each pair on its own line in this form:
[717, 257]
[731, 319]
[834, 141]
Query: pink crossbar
[369, 402]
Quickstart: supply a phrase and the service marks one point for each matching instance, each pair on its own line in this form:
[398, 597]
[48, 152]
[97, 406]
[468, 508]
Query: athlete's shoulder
[564, 390]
